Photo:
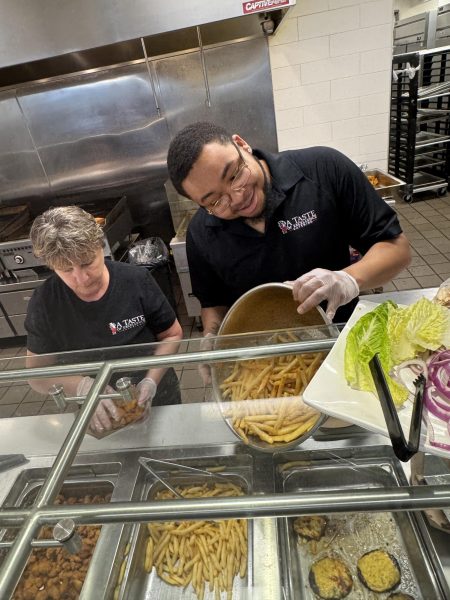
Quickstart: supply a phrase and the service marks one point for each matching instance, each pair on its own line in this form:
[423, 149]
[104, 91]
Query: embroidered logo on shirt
[297, 222]
[126, 324]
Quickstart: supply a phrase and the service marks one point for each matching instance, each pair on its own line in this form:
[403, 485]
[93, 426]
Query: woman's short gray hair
[66, 235]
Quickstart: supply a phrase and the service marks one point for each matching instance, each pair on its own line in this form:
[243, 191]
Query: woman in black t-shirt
[90, 303]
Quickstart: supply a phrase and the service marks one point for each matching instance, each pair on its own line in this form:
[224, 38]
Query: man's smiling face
[227, 181]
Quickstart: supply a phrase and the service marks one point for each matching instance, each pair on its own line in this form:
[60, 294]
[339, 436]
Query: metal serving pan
[93, 473]
[388, 186]
[86, 478]
[77, 488]
[349, 536]
[136, 583]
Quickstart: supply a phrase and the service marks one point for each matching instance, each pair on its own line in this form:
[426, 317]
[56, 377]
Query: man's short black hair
[186, 147]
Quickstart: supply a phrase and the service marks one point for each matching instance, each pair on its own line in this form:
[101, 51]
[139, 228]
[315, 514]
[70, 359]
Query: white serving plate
[329, 392]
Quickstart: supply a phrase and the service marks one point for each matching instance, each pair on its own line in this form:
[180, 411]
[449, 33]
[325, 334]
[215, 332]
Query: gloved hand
[337, 287]
[204, 369]
[105, 409]
[146, 390]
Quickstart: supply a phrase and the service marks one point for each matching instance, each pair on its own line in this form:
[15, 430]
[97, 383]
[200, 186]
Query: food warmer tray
[137, 584]
[349, 536]
[91, 474]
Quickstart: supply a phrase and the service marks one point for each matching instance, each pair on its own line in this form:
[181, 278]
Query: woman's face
[89, 280]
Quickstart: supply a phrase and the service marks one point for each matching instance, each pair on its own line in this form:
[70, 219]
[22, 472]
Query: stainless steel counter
[167, 426]
[178, 432]
[170, 434]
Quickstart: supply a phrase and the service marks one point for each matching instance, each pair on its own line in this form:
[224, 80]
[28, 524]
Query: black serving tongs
[403, 449]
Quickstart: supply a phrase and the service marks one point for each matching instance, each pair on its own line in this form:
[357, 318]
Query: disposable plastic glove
[146, 390]
[106, 408]
[204, 369]
[336, 287]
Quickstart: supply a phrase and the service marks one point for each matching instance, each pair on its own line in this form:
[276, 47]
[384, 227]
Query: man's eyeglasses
[238, 182]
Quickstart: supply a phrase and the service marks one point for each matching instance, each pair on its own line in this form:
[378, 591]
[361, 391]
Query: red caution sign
[253, 6]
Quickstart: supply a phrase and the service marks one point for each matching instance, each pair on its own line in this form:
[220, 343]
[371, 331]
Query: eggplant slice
[330, 578]
[310, 527]
[379, 571]
[400, 596]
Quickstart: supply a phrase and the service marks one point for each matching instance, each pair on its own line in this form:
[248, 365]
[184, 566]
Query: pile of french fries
[276, 413]
[205, 554]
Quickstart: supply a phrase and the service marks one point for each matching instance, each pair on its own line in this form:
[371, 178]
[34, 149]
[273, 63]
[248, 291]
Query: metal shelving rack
[419, 121]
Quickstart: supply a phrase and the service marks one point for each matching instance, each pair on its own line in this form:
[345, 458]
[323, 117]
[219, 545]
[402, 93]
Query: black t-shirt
[324, 204]
[132, 311]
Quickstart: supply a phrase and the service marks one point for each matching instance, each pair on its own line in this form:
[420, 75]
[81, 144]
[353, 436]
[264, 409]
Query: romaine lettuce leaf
[366, 338]
[416, 328]
[396, 334]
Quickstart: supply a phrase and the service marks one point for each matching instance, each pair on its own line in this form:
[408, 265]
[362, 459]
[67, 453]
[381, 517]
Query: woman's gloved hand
[204, 369]
[336, 287]
[106, 408]
[146, 390]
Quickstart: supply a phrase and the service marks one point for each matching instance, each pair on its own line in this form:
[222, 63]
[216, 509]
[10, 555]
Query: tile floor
[427, 225]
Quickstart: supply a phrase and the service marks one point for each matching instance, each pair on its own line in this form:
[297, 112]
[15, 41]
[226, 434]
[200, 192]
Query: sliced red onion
[407, 372]
[432, 441]
[440, 445]
[439, 376]
[436, 408]
[442, 356]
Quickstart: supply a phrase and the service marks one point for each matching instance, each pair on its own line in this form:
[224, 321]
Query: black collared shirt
[325, 204]
[133, 310]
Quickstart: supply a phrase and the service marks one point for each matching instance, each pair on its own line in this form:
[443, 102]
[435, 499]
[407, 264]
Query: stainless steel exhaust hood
[31, 30]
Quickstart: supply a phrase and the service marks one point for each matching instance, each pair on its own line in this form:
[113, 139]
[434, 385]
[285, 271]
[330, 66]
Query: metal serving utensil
[403, 449]
[144, 464]
[143, 461]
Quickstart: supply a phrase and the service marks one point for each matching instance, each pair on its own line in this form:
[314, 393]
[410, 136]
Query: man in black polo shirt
[289, 216]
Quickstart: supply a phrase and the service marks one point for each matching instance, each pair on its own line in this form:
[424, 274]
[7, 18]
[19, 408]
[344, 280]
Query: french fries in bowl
[261, 399]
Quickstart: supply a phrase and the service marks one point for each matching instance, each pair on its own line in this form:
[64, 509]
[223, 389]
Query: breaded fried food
[330, 578]
[379, 571]
[310, 527]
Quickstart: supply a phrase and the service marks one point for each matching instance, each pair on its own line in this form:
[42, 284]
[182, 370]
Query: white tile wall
[286, 34]
[374, 104]
[303, 95]
[345, 146]
[360, 40]
[341, 3]
[368, 144]
[307, 7]
[289, 118]
[331, 63]
[376, 13]
[359, 85]
[331, 111]
[288, 54]
[376, 60]
[371, 160]
[286, 77]
[330, 68]
[303, 137]
[361, 126]
[331, 21]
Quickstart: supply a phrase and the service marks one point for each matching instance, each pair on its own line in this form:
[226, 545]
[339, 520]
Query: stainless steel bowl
[267, 308]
